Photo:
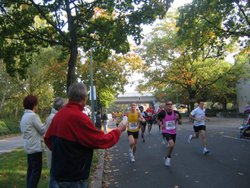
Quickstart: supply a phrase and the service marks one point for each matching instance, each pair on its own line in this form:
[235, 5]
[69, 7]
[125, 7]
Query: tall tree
[72, 24]
[212, 24]
[170, 63]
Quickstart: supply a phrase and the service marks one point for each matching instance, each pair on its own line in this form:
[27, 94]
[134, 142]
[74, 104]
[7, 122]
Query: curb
[96, 181]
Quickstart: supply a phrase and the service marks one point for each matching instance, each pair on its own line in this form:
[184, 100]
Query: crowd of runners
[167, 118]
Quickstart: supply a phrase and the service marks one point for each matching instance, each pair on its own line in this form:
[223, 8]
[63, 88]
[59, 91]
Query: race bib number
[170, 125]
[201, 118]
[132, 125]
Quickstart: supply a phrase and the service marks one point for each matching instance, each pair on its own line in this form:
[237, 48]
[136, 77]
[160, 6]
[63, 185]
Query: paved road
[227, 165]
[10, 143]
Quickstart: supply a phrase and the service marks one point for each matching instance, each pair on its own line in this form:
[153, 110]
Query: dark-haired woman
[32, 132]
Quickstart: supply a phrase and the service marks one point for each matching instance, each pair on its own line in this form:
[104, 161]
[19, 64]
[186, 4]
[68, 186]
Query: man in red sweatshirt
[72, 137]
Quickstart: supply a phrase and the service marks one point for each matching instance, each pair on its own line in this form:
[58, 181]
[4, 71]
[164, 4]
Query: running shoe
[132, 158]
[190, 138]
[130, 152]
[143, 140]
[205, 151]
[167, 161]
[131, 155]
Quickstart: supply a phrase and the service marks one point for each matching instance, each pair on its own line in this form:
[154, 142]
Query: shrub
[12, 125]
[3, 128]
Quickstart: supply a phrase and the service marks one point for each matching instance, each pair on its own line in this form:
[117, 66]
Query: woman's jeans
[34, 170]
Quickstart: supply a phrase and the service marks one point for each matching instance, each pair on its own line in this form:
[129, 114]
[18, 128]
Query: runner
[143, 124]
[199, 118]
[150, 116]
[169, 119]
[133, 130]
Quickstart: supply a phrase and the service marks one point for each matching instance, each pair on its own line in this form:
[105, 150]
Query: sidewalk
[10, 143]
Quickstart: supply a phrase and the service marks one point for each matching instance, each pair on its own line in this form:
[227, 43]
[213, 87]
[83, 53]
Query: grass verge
[13, 167]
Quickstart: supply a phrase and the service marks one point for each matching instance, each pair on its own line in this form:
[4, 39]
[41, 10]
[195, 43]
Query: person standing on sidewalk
[72, 137]
[105, 121]
[32, 130]
[57, 105]
[134, 119]
[199, 118]
[169, 119]
[98, 120]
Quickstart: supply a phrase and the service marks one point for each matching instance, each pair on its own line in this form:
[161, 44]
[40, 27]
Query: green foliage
[110, 76]
[26, 26]
[181, 72]
[3, 128]
[210, 25]
[9, 126]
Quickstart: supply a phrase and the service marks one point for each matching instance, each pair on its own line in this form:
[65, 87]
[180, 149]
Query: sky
[130, 88]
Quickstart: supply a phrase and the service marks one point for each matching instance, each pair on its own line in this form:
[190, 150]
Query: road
[10, 143]
[227, 164]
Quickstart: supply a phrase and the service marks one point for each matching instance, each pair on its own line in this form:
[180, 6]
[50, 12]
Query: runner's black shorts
[169, 136]
[134, 134]
[199, 128]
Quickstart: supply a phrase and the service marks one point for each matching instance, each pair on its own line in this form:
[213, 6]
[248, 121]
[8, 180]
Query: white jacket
[32, 132]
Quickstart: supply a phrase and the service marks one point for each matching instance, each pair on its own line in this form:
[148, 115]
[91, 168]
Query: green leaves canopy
[101, 25]
[211, 24]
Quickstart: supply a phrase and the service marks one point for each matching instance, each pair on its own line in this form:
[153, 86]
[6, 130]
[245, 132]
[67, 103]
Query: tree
[101, 25]
[110, 76]
[171, 64]
[213, 24]
[43, 76]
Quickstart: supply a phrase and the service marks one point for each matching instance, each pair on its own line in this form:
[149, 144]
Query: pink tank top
[169, 125]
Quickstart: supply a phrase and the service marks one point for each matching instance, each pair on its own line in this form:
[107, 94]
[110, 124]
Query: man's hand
[122, 125]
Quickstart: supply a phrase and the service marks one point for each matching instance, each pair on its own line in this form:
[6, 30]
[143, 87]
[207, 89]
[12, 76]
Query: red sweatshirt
[72, 137]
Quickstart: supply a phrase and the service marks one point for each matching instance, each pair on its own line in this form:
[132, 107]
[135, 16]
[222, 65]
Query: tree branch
[50, 22]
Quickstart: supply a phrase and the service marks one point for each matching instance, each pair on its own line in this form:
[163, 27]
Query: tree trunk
[192, 94]
[72, 27]
[72, 66]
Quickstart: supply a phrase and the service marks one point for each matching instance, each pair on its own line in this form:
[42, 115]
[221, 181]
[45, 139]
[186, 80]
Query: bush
[9, 126]
[13, 125]
[3, 128]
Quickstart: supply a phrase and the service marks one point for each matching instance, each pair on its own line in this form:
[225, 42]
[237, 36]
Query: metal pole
[92, 88]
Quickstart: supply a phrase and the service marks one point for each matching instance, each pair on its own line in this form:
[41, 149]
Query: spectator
[105, 121]
[98, 120]
[72, 138]
[57, 105]
[32, 131]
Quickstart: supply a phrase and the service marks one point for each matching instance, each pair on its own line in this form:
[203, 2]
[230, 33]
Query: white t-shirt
[199, 115]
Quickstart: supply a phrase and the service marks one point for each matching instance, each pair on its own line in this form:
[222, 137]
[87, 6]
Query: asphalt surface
[10, 143]
[227, 165]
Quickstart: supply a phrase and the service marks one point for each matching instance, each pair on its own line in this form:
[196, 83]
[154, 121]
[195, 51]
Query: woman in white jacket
[32, 132]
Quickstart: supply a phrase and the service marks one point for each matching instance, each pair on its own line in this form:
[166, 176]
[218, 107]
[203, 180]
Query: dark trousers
[34, 169]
